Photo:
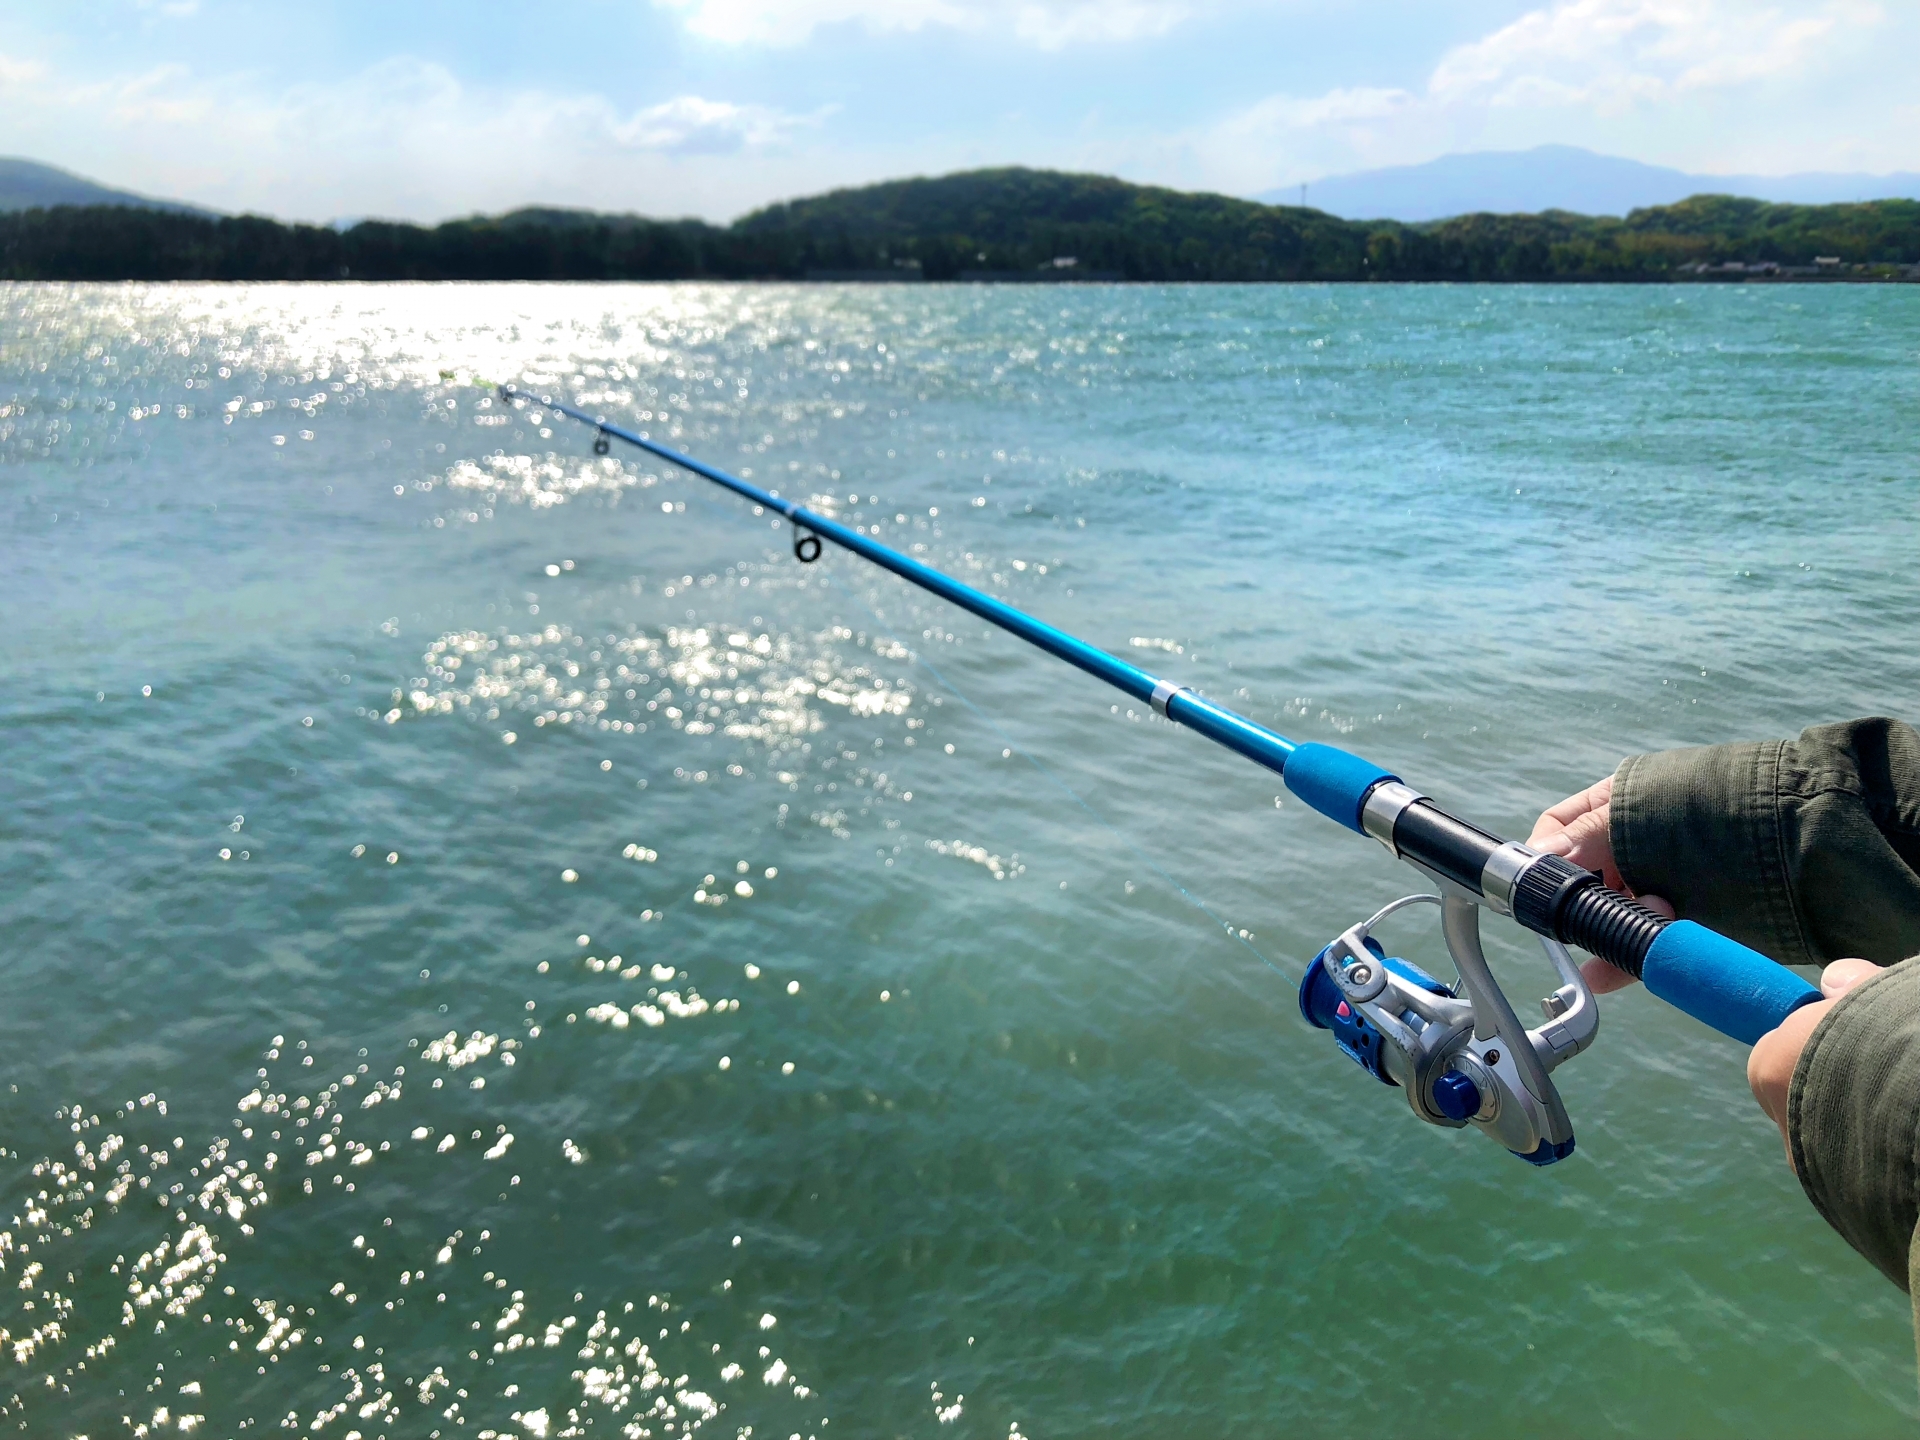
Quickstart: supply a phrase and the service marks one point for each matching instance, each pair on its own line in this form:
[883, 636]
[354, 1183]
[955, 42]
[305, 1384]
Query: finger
[1660, 907]
[1556, 818]
[1557, 842]
[1590, 836]
[1842, 975]
[1544, 829]
[1574, 806]
[1590, 845]
[1770, 1066]
[1603, 978]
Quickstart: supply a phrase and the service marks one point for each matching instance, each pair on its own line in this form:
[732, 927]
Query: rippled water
[493, 946]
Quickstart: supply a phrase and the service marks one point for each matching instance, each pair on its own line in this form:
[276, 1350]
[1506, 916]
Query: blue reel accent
[1323, 1007]
[1546, 1154]
[1456, 1097]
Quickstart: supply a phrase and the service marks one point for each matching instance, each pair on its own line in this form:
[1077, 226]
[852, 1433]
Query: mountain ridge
[29, 184]
[1563, 177]
[1504, 182]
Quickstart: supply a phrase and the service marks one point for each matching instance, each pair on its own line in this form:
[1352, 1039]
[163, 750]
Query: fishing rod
[1459, 1051]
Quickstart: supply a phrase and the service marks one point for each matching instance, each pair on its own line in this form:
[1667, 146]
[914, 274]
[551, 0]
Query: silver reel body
[1460, 1053]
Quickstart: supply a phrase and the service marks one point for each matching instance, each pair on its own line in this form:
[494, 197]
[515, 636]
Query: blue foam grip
[1721, 983]
[1332, 781]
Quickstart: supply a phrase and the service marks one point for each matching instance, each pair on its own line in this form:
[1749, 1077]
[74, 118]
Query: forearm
[1806, 849]
[1853, 1117]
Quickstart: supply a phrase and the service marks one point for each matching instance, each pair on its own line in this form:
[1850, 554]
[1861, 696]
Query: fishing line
[880, 624]
[1054, 780]
[1460, 1054]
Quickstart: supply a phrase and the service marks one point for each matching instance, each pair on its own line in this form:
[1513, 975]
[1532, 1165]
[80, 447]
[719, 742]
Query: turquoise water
[964, 1121]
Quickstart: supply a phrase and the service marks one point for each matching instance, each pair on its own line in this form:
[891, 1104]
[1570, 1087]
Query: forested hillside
[986, 222]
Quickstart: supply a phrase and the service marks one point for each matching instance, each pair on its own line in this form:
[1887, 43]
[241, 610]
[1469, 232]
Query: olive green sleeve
[1853, 1118]
[1807, 850]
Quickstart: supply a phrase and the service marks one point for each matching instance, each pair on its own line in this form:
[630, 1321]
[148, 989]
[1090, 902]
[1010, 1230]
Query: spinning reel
[1459, 1051]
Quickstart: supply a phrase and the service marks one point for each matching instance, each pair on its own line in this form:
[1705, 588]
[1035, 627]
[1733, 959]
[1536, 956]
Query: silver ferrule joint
[1164, 691]
[1385, 802]
[1501, 875]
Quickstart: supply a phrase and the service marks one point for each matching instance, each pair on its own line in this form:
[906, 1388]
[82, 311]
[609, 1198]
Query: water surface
[494, 946]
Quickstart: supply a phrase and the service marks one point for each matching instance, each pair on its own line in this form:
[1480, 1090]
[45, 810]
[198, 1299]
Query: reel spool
[1459, 1052]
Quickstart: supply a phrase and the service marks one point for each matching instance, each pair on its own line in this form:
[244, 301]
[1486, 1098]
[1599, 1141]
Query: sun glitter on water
[183, 1218]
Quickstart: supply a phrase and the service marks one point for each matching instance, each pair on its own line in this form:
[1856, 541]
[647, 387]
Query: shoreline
[1556, 282]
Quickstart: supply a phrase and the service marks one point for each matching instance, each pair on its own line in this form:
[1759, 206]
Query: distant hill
[1000, 206]
[27, 184]
[1564, 177]
[1001, 224]
[1012, 218]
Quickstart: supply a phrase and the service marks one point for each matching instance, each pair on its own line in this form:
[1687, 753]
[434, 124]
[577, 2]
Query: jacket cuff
[1701, 828]
[1851, 1121]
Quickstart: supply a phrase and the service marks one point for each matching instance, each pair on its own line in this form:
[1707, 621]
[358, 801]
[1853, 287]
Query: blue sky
[422, 109]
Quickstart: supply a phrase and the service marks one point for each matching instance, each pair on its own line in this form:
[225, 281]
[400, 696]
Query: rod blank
[1218, 723]
[1737, 991]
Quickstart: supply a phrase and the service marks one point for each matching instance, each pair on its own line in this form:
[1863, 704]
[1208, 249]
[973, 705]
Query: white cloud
[421, 104]
[1047, 24]
[19, 72]
[1759, 85]
[1336, 107]
[403, 137]
[690, 125]
[790, 22]
[1612, 54]
[1556, 69]
[163, 96]
[1052, 27]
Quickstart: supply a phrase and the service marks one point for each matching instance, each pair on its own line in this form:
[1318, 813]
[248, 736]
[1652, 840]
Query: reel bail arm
[1461, 1054]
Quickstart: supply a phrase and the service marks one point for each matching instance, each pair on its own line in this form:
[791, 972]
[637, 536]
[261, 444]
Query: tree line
[984, 221]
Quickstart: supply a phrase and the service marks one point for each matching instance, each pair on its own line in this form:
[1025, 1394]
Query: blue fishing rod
[1458, 1050]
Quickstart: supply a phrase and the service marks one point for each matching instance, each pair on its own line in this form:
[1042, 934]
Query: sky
[426, 109]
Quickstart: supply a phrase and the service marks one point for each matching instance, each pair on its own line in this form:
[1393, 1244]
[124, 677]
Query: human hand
[1770, 1067]
[1578, 828]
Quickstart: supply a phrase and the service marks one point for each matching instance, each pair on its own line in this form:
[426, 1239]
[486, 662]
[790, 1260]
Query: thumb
[1842, 975]
[1586, 843]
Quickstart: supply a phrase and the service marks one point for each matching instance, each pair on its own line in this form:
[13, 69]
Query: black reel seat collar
[1547, 894]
